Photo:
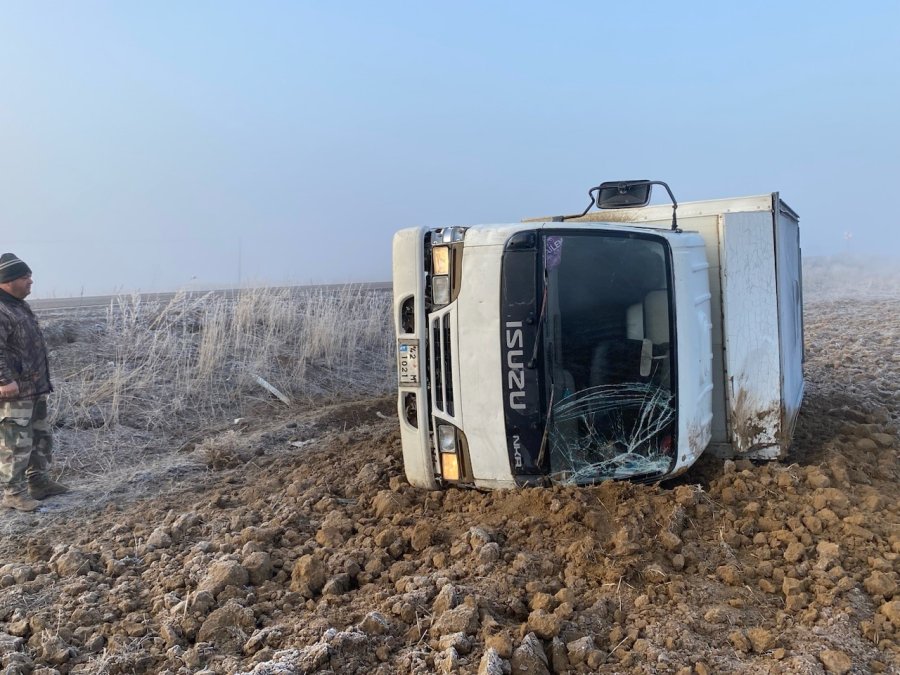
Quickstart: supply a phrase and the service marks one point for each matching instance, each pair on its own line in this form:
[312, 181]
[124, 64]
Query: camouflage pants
[26, 445]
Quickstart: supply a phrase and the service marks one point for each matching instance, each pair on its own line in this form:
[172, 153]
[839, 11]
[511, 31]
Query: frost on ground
[285, 540]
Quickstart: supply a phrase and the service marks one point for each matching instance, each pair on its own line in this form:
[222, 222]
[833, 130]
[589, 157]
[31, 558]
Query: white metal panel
[790, 313]
[493, 235]
[409, 281]
[693, 346]
[750, 326]
[480, 393]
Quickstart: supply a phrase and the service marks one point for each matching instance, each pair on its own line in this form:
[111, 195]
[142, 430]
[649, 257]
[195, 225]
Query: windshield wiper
[539, 336]
[543, 451]
[538, 340]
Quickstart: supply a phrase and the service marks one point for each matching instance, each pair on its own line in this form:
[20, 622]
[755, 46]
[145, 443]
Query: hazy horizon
[151, 147]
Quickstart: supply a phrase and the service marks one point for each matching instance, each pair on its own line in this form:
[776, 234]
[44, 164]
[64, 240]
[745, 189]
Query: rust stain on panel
[754, 428]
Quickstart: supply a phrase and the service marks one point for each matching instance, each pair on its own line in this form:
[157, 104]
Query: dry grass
[153, 366]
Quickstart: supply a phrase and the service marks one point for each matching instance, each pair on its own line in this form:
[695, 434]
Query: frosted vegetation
[851, 276]
[156, 364]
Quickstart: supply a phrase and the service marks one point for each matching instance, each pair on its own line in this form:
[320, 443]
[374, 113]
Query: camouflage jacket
[23, 353]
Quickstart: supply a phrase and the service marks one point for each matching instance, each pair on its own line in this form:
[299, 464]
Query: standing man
[26, 444]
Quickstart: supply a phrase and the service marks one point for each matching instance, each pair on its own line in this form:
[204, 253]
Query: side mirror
[623, 194]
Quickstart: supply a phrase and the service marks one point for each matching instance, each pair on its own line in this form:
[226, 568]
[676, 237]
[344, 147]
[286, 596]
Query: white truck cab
[610, 345]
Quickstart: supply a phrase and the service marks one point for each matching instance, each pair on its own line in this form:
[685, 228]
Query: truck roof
[660, 212]
[496, 234]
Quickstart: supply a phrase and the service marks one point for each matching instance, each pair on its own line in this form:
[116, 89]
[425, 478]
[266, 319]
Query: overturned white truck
[615, 344]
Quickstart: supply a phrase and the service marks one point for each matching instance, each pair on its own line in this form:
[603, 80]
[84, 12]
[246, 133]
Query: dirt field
[289, 542]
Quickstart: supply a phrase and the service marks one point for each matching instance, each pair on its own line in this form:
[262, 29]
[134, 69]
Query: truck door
[694, 329]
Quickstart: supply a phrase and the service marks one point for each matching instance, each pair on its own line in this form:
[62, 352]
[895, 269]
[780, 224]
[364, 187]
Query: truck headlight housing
[447, 446]
[440, 290]
[443, 265]
[446, 434]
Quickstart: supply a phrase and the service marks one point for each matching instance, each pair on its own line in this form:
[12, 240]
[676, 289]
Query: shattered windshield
[609, 353]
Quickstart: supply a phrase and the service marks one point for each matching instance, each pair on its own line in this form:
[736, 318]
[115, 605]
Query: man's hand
[10, 390]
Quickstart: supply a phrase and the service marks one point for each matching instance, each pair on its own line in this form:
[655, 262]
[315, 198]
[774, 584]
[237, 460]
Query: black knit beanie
[11, 268]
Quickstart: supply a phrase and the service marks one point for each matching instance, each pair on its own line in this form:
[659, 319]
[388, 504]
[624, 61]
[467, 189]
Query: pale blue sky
[144, 146]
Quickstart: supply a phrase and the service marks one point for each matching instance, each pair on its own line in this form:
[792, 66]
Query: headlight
[440, 290]
[446, 438]
[440, 260]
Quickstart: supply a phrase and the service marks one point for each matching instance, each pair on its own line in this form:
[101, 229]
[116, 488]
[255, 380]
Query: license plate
[408, 361]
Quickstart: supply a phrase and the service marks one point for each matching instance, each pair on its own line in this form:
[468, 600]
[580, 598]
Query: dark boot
[44, 487]
[18, 501]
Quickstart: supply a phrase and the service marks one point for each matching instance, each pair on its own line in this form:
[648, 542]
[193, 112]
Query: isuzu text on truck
[620, 343]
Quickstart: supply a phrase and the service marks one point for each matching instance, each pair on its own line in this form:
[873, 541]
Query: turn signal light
[449, 466]
[440, 260]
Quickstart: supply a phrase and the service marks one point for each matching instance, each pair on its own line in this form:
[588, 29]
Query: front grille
[440, 359]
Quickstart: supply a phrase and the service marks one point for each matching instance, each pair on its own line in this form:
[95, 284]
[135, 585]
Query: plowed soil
[289, 542]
